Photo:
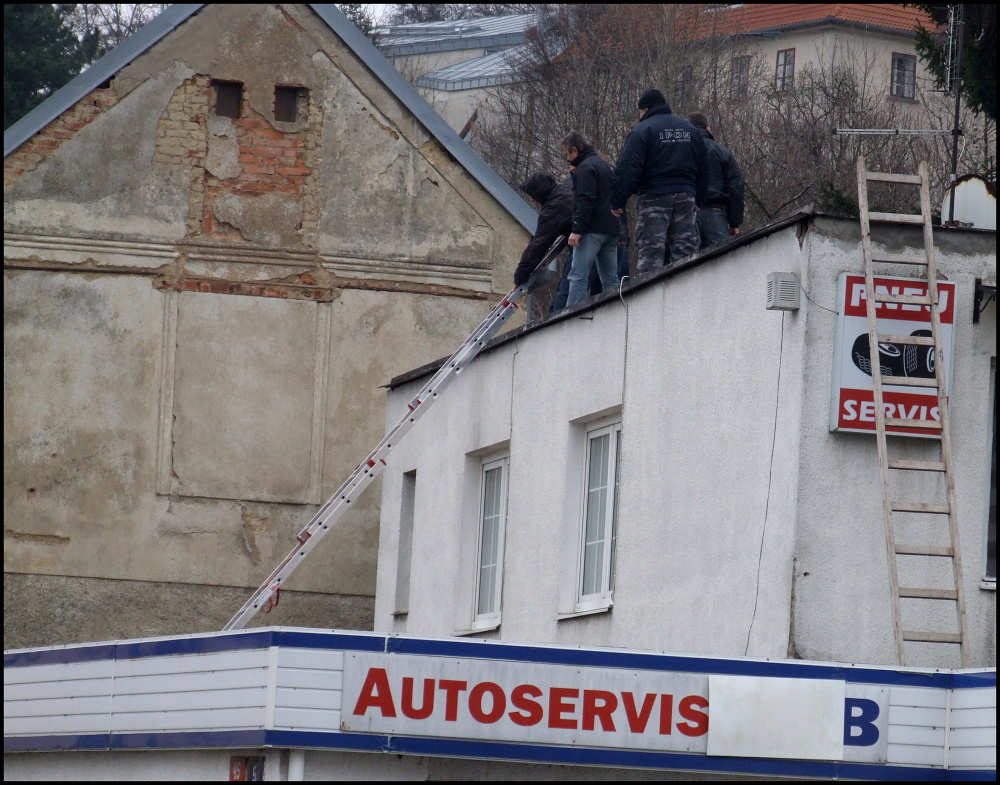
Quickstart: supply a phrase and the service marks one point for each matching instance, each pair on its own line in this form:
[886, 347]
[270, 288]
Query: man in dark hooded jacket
[722, 212]
[663, 159]
[555, 218]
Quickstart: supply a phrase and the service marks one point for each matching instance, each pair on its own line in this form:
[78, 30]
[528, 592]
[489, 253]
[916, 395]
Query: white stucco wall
[722, 547]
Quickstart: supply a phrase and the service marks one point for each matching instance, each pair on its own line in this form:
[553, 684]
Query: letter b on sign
[859, 722]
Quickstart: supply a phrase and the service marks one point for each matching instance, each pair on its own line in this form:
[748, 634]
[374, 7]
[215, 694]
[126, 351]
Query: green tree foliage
[979, 53]
[40, 54]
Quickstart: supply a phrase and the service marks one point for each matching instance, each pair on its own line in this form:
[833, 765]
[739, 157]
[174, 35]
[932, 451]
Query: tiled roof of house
[760, 17]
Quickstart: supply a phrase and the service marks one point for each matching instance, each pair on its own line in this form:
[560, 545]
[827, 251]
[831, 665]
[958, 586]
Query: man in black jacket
[594, 236]
[663, 159]
[722, 212]
[554, 219]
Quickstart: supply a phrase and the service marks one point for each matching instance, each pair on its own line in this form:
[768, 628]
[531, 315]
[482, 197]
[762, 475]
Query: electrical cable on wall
[770, 473]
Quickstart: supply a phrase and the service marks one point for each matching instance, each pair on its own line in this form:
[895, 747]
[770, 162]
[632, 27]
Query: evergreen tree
[40, 55]
[979, 54]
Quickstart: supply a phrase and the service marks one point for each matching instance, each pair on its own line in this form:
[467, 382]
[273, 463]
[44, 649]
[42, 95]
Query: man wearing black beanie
[664, 161]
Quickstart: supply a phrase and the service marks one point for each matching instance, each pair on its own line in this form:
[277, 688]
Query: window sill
[988, 584]
[602, 608]
[477, 627]
[902, 99]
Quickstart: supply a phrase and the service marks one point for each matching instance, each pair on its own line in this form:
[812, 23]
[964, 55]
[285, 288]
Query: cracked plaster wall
[152, 439]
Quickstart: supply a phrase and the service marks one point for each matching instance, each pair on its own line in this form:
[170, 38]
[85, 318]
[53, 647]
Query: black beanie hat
[652, 97]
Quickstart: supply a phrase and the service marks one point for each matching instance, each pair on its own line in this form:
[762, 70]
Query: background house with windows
[672, 480]
[218, 241]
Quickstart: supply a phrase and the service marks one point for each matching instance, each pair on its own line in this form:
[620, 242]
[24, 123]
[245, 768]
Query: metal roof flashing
[354, 39]
[803, 214]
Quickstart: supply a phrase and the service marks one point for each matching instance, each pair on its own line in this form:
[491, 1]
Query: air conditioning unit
[782, 292]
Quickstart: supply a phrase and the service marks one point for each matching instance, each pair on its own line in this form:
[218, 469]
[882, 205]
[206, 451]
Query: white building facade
[658, 471]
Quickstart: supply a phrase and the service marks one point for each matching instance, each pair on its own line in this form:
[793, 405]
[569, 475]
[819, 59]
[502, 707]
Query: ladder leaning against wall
[893, 508]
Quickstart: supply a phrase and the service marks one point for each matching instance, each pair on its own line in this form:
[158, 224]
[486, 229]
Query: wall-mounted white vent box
[782, 292]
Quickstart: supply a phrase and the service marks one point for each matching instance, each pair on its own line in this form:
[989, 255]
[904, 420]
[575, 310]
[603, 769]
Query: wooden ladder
[938, 429]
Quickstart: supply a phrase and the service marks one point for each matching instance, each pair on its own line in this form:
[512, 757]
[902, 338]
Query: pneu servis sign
[852, 405]
[565, 705]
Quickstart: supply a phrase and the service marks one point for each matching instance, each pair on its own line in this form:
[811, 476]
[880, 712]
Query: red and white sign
[852, 406]
[566, 705]
[541, 703]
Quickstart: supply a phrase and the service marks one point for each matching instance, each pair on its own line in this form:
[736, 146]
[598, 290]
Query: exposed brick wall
[51, 137]
[181, 139]
[271, 161]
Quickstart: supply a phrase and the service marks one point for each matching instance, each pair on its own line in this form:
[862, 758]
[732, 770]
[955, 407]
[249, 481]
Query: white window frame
[602, 598]
[490, 618]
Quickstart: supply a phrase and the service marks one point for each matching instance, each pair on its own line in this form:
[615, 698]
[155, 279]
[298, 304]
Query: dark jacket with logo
[554, 219]
[593, 180]
[663, 154]
[723, 180]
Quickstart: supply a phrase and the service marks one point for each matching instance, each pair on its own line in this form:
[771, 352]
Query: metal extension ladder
[267, 596]
[939, 429]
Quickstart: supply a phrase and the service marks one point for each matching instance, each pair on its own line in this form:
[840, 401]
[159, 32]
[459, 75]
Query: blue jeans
[599, 249]
[713, 226]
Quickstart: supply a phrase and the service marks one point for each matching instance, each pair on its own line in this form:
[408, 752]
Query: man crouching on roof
[555, 218]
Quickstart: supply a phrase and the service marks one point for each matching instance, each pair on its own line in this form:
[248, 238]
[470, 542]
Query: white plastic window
[600, 503]
[492, 522]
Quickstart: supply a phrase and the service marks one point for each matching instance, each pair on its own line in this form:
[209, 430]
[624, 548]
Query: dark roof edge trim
[804, 213]
[98, 72]
[431, 120]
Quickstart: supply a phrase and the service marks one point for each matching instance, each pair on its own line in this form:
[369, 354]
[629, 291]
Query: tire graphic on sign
[896, 359]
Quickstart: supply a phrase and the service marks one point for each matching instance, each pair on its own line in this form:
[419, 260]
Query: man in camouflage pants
[664, 161]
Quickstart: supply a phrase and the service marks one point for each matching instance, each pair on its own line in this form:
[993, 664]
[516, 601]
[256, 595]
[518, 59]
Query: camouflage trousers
[666, 230]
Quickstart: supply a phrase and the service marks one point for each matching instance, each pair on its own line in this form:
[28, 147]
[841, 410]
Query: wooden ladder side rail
[944, 411]
[883, 456]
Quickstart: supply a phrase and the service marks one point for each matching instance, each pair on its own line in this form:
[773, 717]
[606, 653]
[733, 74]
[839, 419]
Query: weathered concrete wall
[200, 311]
[723, 547]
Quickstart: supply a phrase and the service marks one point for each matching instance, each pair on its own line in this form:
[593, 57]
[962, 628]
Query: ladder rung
[909, 299]
[915, 340]
[909, 381]
[924, 550]
[940, 509]
[918, 466]
[898, 258]
[932, 637]
[899, 218]
[929, 594]
[896, 422]
[891, 177]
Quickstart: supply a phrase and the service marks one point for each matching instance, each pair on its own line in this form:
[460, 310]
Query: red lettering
[428, 703]
[376, 693]
[666, 713]
[698, 719]
[557, 707]
[637, 719]
[591, 709]
[451, 689]
[499, 702]
[533, 710]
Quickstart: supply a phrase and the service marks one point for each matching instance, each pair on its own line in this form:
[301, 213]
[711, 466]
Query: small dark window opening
[228, 98]
[286, 101]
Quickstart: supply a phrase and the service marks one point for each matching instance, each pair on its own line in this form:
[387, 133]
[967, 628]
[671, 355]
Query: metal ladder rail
[890, 505]
[265, 597]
